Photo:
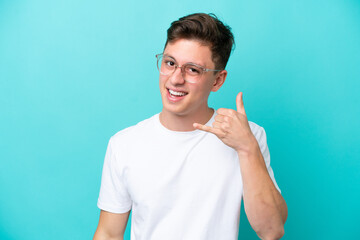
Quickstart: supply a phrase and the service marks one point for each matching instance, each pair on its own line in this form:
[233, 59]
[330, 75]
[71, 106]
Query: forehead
[184, 51]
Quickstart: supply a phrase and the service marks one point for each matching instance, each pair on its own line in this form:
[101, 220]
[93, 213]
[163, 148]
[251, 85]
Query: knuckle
[220, 110]
[223, 135]
[224, 127]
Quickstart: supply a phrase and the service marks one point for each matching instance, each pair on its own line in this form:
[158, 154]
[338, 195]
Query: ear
[219, 80]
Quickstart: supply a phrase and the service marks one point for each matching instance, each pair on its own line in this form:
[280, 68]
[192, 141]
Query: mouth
[175, 95]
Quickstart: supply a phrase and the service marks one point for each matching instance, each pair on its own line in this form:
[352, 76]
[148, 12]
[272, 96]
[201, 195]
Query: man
[184, 171]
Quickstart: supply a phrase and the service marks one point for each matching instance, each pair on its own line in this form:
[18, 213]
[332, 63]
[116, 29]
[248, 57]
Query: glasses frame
[158, 56]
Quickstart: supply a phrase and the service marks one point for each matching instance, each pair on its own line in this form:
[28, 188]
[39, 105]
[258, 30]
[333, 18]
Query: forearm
[264, 206]
[102, 235]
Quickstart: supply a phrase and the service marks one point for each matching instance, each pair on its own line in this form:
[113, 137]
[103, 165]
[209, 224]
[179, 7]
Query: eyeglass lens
[167, 66]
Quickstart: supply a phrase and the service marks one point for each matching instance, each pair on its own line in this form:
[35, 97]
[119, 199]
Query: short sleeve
[260, 136]
[113, 196]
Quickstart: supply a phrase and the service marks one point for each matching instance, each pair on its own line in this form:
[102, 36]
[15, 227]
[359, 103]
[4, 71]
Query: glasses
[190, 72]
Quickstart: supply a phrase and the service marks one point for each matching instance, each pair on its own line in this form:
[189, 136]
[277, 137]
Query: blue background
[74, 72]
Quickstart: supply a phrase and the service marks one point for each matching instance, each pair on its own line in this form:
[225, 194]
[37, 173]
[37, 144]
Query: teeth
[176, 93]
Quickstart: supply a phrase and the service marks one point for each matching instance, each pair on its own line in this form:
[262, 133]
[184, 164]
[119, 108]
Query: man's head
[209, 31]
[194, 40]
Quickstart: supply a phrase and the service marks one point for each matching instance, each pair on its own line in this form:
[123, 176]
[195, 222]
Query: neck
[184, 122]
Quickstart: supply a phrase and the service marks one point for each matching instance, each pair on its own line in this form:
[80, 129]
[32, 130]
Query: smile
[174, 93]
[175, 96]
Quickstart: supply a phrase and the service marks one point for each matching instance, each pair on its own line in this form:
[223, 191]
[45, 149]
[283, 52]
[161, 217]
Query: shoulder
[133, 133]
[259, 132]
[255, 128]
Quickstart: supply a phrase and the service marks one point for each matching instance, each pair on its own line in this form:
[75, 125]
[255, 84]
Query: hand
[232, 127]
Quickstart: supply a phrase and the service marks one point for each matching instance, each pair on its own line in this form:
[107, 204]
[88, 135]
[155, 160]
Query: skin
[111, 226]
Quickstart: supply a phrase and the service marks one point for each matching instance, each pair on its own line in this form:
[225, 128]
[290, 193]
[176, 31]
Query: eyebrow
[201, 65]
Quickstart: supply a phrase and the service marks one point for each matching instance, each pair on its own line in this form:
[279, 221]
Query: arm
[265, 208]
[111, 226]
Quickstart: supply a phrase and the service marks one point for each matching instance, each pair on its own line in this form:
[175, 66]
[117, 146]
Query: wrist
[251, 149]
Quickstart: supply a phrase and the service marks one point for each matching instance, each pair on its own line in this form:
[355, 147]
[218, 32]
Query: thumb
[240, 103]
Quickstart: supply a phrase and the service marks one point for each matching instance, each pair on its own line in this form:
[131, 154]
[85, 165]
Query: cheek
[205, 87]
[199, 92]
[162, 79]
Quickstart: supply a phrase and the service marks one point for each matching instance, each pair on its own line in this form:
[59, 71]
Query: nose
[177, 77]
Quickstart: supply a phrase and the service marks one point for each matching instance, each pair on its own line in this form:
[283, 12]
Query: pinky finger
[207, 128]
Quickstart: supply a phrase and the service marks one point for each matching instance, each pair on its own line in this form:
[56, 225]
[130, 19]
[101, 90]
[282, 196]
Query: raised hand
[232, 127]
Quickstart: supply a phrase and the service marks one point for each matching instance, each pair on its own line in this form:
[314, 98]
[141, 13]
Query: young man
[184, 171]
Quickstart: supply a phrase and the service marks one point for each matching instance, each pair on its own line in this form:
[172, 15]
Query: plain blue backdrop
[74, 72]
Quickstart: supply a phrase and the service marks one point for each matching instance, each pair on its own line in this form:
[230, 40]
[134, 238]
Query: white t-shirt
[179, 185]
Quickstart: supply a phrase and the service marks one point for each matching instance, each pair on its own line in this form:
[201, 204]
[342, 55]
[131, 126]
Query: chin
[179, 108]
[174, 110]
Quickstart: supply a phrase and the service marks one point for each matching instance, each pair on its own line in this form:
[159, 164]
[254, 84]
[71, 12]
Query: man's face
[196, 94]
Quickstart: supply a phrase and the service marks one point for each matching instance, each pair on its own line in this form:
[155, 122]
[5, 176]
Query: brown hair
[207, 29]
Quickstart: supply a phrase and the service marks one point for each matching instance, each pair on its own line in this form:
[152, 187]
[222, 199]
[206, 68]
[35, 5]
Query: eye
[169, 62]
[193, 70]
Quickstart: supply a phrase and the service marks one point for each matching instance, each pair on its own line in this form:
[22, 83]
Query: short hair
[208, 30]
